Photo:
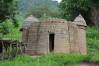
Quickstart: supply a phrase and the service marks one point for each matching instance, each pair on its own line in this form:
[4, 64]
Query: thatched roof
[29, 21]
[79, 20]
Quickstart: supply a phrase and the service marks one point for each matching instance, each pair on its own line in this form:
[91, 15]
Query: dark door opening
[0, 48]
[51, 42]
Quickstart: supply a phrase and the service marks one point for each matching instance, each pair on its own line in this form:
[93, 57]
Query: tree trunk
[95, 16]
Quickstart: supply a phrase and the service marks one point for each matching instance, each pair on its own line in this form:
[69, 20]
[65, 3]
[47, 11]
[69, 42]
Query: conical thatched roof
[32, 18]
[79, 20]
[29, 21]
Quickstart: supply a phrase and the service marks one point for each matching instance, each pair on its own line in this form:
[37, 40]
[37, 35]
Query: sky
[58, 1]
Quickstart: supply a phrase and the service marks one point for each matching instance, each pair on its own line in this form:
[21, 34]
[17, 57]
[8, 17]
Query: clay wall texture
[68, 37]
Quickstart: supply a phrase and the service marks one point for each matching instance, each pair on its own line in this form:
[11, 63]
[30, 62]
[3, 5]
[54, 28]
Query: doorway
[1, 48]
[51, 42]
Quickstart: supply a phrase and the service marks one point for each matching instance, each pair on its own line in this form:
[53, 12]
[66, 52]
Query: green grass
[46, 60]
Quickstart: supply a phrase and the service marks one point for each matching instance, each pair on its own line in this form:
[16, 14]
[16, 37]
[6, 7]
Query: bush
[95, 58]
[92, 40]
[93, 44]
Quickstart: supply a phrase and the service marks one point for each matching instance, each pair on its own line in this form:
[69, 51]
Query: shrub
[95, 58]
[93, 44]
[92, 40]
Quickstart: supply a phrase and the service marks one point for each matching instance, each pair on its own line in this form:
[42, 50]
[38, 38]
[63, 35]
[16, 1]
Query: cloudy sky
[58, 0]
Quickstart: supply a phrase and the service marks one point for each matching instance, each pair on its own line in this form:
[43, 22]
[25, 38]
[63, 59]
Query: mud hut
[54, 35]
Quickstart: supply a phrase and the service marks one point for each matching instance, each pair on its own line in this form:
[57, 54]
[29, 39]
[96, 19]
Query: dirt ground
[87, 64]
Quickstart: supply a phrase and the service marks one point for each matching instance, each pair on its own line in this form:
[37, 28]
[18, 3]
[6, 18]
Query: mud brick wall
[69, 37]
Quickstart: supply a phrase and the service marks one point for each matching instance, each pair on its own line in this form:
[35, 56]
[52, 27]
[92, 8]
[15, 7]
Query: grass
[46, 60]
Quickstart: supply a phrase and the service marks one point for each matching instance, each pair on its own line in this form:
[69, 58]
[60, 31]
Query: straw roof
[29, 21]
[79, 20]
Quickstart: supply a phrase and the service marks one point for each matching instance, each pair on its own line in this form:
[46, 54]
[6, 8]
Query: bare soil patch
[88, 64]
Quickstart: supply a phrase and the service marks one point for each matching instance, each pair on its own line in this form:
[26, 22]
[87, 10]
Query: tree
[38, 8]
[88, 8]
[43, 11]
[7, 11]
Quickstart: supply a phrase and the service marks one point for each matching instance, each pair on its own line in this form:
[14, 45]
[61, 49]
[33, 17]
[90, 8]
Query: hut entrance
[1, 49]
[51, 42]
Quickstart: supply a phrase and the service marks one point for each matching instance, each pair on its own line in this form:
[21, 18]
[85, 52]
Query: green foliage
[5, 27]
[43, 11]
[92, 32]
[14, 34]
[9, 32]
[95, 58]
[72, 8]
[45, 60]
[7, 9]
[93, 44]
[93, 39]
[39, 8]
